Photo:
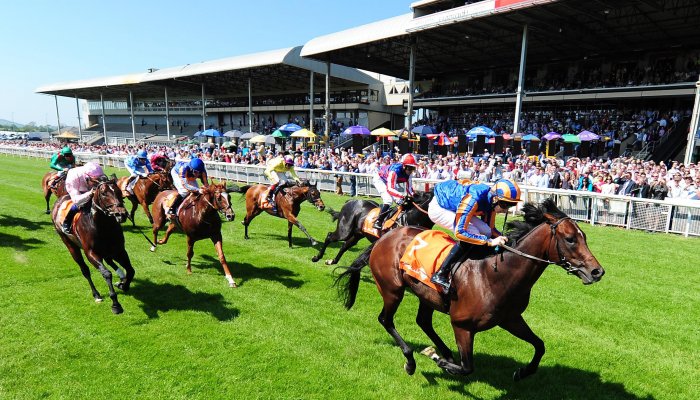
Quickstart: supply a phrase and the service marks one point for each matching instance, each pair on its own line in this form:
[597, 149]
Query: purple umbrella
[587, 136]
[551, 136]
[356, 130]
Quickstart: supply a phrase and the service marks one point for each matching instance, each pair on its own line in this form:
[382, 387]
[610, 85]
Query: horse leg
[190, 253]
[95, 260]
[331, 237]
[465, 344]
[347, 245]
[133, 210]
[147, 211]
[424, 319]
[168, 231]
[78, 257]
[47, 196]
[520, 329]
[293, 220]
[125, 281]
[289, 233]
[250, 214]
[386, 318]
[218, 245]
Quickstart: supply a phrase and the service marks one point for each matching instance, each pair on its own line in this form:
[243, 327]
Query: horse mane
[533, 216]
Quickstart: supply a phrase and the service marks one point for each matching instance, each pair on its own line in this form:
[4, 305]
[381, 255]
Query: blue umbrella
[424, 130]
[481, 130]
[198, 134]
[531, 137]
[290, 128]
[211, 133]
[356, 130]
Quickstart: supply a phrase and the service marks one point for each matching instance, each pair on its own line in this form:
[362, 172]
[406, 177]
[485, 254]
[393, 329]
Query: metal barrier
[670, 215]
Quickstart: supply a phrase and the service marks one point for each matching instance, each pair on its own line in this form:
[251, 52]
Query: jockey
[62, 162]
[185, 175]
[385, 181]
[281, 165]
[454, 207]
[137, 166]
[80, 182]
[159, 161]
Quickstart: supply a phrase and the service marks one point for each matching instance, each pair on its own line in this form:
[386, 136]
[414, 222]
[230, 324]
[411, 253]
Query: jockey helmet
[66, 151]
[506, 190]
[93, 170]
[142, 154]
[408, 160]
[288, 160]
[197, 165]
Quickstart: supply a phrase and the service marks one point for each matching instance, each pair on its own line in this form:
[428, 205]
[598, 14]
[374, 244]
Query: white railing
[670, 215]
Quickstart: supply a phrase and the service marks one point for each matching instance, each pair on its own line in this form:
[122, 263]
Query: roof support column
[521, 82]
[411, 81]
[250, 104]
[104, 120]
[327, 106]
[204, 110]
[131, 113]
[77, 106]
[167, 114]
[311, 102]
[58, 117]
[694, 123]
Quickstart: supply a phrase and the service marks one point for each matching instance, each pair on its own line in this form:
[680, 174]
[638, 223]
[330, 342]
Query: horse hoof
[120, 286]
[314, 259]
[232, 285]
[314, 243]
[98, 299]
[410, 368]
[117, 310]
[329, 262]
[153, 248]
[246, 237]
[517, 375]
[47, 212]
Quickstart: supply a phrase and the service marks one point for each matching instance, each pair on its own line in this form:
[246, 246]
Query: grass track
[283, 334]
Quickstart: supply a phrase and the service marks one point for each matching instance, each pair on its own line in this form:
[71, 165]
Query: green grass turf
[283, 333]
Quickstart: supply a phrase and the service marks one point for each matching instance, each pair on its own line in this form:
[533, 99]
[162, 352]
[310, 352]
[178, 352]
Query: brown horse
[288, 205]
[59, 188]
[198, 217]
[488, 292]
[99, 233]
[146, 190]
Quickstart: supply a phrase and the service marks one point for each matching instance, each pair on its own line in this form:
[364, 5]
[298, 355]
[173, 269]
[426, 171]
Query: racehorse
[288, 202]
[351, 220]
[198, 217]
[58, 190]
[487, 292]
[100, 235]
[145, 191]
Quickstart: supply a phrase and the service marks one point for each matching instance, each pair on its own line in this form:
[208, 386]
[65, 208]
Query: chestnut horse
[351, 219]
[58, 190]
[487, 292]
[145, 191]
[100, 235]
[288, 205]
[198, 217]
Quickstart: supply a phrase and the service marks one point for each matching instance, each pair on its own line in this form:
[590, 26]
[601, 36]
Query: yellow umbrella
[258, 139]
[383, 132]
[303, 133]
[67, 135]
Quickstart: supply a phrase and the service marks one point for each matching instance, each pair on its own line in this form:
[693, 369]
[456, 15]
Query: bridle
[563, 262]
[105, 209]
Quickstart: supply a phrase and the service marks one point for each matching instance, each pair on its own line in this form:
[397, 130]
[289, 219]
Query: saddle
[63, 212]
[368, 224]
[170, 199]
[425, 254]
[55, 180]
[266, 205]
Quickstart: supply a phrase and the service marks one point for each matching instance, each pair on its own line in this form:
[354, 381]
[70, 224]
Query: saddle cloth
[63, 212]
[264, 204]
[368, 224]
[425, 254]
[123, 184]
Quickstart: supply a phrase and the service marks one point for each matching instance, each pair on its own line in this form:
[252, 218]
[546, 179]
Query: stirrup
[66, 229]
[438, 280]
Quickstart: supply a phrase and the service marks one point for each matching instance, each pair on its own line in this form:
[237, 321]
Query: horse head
[163, 180]
[417, 210]
[217, 195]
[107, 198]
[313, 195]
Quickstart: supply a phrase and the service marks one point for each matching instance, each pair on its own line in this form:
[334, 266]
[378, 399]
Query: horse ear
[550, 218]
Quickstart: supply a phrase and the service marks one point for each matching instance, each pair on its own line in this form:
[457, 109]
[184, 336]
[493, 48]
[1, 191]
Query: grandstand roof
[483, 35]
[281, 70]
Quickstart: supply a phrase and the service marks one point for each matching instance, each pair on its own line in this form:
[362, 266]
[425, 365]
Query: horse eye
[571, 239]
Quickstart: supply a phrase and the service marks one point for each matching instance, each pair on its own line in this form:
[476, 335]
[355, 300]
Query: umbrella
[270, 140]
[587, 136]
[551, 136]
[67, 135]
[444, 140]
[304, 133]
[290, 128]
[211, 133]
[518, 136]
[423, 130]
[279, 134]
[249, 135]
[481, 130]
[569, 138]
[356, 130]
[491, 140]
[382, 132]
[507, 136]
[531, 137]
[191, 141]
[198, 134]
[227, 144]
[258, 139]
[392, 138]
[233, 134]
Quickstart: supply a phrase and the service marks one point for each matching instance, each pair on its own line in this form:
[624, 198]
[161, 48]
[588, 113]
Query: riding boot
[383, 214]
[442, 276]
[172, 212]
[271, 197]
[68, 222]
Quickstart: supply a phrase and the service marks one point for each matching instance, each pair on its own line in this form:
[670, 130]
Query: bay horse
[99, 234]
[58, 190]
[487, 292]
[288, 202]
[145, 191]
[198, 217]
[351, 219]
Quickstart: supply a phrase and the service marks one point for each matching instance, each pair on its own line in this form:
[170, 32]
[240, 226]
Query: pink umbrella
[587, 136]
[507, 136]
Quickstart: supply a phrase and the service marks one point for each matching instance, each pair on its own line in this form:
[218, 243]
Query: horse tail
[348, 281]
[333, 213]
[243, 189]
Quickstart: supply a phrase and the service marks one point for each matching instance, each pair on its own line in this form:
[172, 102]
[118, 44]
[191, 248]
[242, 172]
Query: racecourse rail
[670, 215]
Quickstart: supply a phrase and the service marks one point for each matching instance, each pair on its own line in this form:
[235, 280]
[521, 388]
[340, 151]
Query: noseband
[105, 209]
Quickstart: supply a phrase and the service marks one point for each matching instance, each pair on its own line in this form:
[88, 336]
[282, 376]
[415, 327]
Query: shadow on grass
[19, 222]
[164, 297]
[298, 238]
[243, 272]
[19, 243]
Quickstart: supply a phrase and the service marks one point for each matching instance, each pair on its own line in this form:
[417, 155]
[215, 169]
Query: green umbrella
[278, 133]
[569, 138]
[227, 144]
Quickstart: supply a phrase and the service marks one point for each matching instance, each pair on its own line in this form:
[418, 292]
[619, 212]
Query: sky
[47, 42]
